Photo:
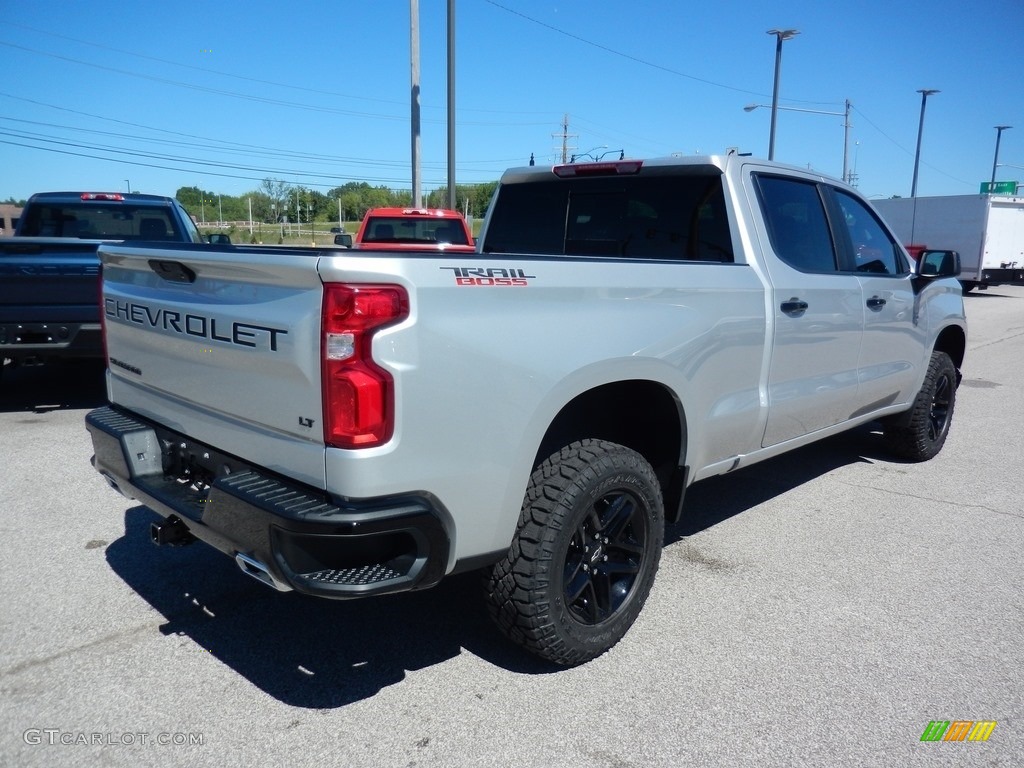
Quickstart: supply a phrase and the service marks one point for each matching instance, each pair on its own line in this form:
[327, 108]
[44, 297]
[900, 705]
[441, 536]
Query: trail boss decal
[490, 276]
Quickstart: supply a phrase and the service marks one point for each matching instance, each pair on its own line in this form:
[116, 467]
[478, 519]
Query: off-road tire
[919, 434]
[585, 553]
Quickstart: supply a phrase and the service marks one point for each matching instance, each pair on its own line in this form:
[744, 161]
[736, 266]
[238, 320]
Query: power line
[249, 97]
[226, 146]
[246, 78]
[204, 172]
[621, 54]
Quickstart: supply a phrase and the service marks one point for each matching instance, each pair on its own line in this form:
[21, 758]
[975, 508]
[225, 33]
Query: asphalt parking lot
[818, 609]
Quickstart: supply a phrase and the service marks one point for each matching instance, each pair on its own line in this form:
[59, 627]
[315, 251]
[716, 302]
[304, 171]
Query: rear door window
[672, 217]
[797, 224]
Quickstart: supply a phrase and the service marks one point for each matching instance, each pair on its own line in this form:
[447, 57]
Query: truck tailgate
[48, 279]
[221, 345]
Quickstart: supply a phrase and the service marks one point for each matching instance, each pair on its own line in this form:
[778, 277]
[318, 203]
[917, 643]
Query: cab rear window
[414, 230]
[671, 217]
[113, 221]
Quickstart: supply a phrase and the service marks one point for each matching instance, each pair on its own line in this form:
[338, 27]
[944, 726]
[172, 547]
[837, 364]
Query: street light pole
[846, 128]
[925, 93]
[780, 35]
[846, 143]
[995, 162]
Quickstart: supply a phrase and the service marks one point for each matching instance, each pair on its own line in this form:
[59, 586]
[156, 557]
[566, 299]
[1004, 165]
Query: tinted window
[797, 225]
[192, 233]
[643, 217]
[116, 221]
[872, 249]
[425, 230]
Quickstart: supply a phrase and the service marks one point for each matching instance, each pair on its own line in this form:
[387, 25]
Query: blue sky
[222, 94]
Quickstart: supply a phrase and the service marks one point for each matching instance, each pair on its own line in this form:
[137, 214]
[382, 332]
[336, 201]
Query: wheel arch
[641, 414]
[953, 341]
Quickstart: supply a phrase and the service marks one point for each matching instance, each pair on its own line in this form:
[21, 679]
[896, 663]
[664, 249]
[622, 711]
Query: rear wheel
[920, 433]
[585, 553]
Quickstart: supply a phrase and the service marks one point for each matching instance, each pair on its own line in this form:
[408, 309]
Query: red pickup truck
[414, 229]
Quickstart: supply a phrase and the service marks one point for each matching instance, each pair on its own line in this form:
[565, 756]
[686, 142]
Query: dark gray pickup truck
[49, 270]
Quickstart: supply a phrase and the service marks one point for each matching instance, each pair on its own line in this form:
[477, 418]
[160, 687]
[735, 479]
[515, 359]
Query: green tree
[260, 206]
[189, 197]
[471, 199]
[201, 204]
[281, 198]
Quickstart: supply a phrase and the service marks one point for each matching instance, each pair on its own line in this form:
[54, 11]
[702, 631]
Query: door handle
[876, 303]
[794, 307]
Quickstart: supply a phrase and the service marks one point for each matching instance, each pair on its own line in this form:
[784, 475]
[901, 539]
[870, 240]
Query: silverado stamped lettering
[192, 324]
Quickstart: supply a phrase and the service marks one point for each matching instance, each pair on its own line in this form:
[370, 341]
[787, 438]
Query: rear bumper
[43, 341]
[285, 534]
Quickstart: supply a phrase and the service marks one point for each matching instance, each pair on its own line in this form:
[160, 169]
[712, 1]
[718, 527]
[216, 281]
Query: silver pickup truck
[348, 423]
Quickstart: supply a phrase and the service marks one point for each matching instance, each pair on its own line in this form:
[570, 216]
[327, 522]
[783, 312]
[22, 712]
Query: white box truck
[987, 231]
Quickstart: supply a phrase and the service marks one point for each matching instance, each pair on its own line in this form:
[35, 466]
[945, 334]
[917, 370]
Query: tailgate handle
[173, 271]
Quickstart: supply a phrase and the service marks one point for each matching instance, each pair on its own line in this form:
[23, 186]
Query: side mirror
[219, 238]
[938, 264]
[344, 240]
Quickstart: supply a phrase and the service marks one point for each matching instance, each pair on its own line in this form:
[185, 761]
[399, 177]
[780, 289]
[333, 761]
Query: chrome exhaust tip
[260, 572]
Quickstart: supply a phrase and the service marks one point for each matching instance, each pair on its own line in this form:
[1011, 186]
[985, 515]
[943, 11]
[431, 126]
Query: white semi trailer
[987, 231]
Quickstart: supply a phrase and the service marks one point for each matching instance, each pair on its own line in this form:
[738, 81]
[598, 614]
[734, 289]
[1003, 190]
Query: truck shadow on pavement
[306, 651]
[316, 653]
[55, 386]
[716, 499]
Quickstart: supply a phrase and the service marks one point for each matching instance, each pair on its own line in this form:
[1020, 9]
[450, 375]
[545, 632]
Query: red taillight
[358, 394]
[617, 168]
[111, 196]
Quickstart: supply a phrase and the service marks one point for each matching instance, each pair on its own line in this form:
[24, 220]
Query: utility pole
[414, 57]
[565, 136]
[451, 104]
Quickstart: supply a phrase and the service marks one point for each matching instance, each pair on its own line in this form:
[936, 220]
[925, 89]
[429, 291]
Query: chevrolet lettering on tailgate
[193, 324]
